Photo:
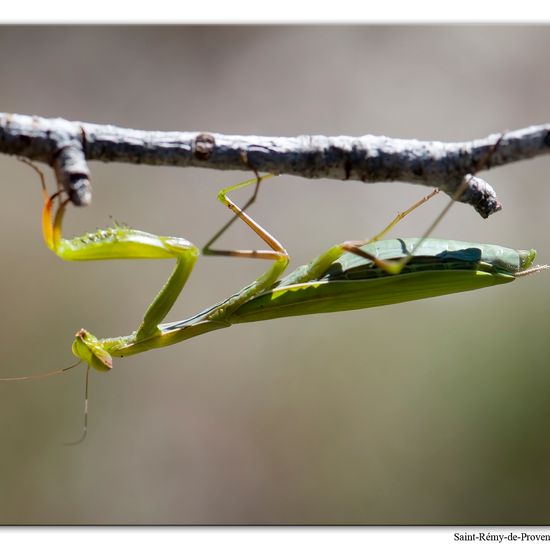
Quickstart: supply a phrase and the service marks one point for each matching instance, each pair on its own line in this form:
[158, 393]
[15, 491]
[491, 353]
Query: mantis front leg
[118, 242]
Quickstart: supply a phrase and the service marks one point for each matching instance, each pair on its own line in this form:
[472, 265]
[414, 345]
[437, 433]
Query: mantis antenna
[43, 375]
[85, 426]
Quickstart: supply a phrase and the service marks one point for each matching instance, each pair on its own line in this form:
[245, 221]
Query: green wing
[438, 267]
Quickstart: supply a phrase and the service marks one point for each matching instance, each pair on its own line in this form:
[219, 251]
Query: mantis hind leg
[395, 267]
[317, 268]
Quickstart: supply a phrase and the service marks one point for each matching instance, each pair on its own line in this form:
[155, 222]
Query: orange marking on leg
[47, 226]
[56, 232]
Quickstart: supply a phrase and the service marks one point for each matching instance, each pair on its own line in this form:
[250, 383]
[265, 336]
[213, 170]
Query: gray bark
[66, 146]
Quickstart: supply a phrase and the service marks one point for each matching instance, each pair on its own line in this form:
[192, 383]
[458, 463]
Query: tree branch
[66, 146]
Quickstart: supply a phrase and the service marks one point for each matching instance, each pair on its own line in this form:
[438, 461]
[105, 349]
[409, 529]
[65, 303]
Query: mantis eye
[88, 348]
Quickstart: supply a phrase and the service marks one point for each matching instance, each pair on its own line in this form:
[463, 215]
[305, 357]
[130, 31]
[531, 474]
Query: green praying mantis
[350, 275]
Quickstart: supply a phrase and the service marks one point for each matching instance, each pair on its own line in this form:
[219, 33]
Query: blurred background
[431, 412]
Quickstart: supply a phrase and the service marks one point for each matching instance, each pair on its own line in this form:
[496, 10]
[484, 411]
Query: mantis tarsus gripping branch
[350, 275]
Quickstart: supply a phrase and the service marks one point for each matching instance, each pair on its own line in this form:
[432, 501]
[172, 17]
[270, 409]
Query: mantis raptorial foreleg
[121, 242]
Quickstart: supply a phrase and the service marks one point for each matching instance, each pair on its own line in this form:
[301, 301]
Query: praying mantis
[350, 275]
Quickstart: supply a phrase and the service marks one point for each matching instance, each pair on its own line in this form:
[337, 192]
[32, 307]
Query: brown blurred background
[432, 412]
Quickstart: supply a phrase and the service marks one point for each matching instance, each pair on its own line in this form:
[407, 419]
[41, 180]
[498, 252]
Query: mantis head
[89, 349]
